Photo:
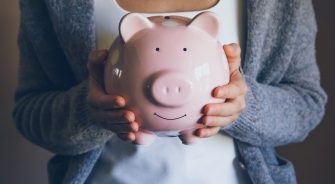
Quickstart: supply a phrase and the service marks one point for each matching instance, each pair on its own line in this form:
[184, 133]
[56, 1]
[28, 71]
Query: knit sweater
[285, 101]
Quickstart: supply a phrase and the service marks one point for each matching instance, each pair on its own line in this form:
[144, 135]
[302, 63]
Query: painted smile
[170, 119]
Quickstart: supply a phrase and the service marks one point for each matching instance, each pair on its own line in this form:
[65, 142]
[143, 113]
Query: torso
[167, 160]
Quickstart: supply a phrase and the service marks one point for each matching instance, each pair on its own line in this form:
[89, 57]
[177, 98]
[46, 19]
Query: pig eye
[184, 49]
[157, 49]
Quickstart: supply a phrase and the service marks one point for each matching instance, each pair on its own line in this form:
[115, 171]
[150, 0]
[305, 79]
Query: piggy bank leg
[144, 137]
[187, 137]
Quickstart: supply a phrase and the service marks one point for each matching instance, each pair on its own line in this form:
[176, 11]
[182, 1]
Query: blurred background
[22, 162]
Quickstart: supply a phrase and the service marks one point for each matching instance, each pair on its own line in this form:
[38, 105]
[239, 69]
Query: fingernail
[232, 48]
[120, 102]
[129, 116]
[218, 93]
[134, 127]
[131, 137]
[206, 109]
[197, 133]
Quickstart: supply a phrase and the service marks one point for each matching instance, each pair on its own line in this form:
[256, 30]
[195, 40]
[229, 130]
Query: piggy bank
[166, 68]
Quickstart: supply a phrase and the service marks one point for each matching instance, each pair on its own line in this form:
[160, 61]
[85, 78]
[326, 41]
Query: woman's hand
[106, 109]
[219, 115]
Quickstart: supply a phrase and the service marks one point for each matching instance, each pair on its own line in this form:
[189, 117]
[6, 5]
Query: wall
[315, 158]
[22, 162]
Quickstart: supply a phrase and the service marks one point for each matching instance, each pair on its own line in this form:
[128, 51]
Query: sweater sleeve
[283, 113]
[53, 117]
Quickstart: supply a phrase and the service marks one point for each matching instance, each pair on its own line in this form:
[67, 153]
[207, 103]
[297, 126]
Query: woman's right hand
[107, 109]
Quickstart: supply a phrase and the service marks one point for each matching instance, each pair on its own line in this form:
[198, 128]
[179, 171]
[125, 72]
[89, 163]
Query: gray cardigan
[284, 104]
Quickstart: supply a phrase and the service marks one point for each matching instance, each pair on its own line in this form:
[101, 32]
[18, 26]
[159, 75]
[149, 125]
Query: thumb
[233, 53]
[95, 64]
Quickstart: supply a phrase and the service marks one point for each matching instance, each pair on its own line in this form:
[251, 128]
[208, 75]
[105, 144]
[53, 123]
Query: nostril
[179, 89]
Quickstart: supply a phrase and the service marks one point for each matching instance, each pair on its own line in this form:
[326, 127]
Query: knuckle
[226, 91]
[224, 110]
[242, 89]
[235, 75]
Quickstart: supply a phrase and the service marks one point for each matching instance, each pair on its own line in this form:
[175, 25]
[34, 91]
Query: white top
[167, 160]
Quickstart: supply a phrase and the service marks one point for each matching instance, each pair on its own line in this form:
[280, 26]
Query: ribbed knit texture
[284, 104]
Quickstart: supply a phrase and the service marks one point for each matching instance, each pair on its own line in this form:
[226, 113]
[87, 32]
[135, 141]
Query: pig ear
[133, 23]
[207, 22]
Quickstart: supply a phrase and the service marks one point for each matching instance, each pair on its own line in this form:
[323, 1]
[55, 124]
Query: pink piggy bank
[167, 68]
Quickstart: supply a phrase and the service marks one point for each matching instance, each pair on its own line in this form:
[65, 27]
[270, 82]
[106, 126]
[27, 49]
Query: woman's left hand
[219, 115]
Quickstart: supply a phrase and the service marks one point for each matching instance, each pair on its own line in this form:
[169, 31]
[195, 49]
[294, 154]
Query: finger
[187, 138]
[130, 136]
[232, 50]
[228, 108]
[97, 98]
[95, 64]
[235, 88]
[124, 128]
[233, 53]
[207, 132]
[108, 118]
[218, 121]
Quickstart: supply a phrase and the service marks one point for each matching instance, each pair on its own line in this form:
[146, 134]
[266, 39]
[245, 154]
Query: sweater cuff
[83, 130]
[244, 128]
[84, 115]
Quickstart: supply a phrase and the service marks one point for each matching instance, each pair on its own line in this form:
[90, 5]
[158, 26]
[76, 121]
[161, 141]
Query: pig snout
[171, 89]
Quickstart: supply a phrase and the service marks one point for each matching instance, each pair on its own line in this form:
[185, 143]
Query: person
[61, 105]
